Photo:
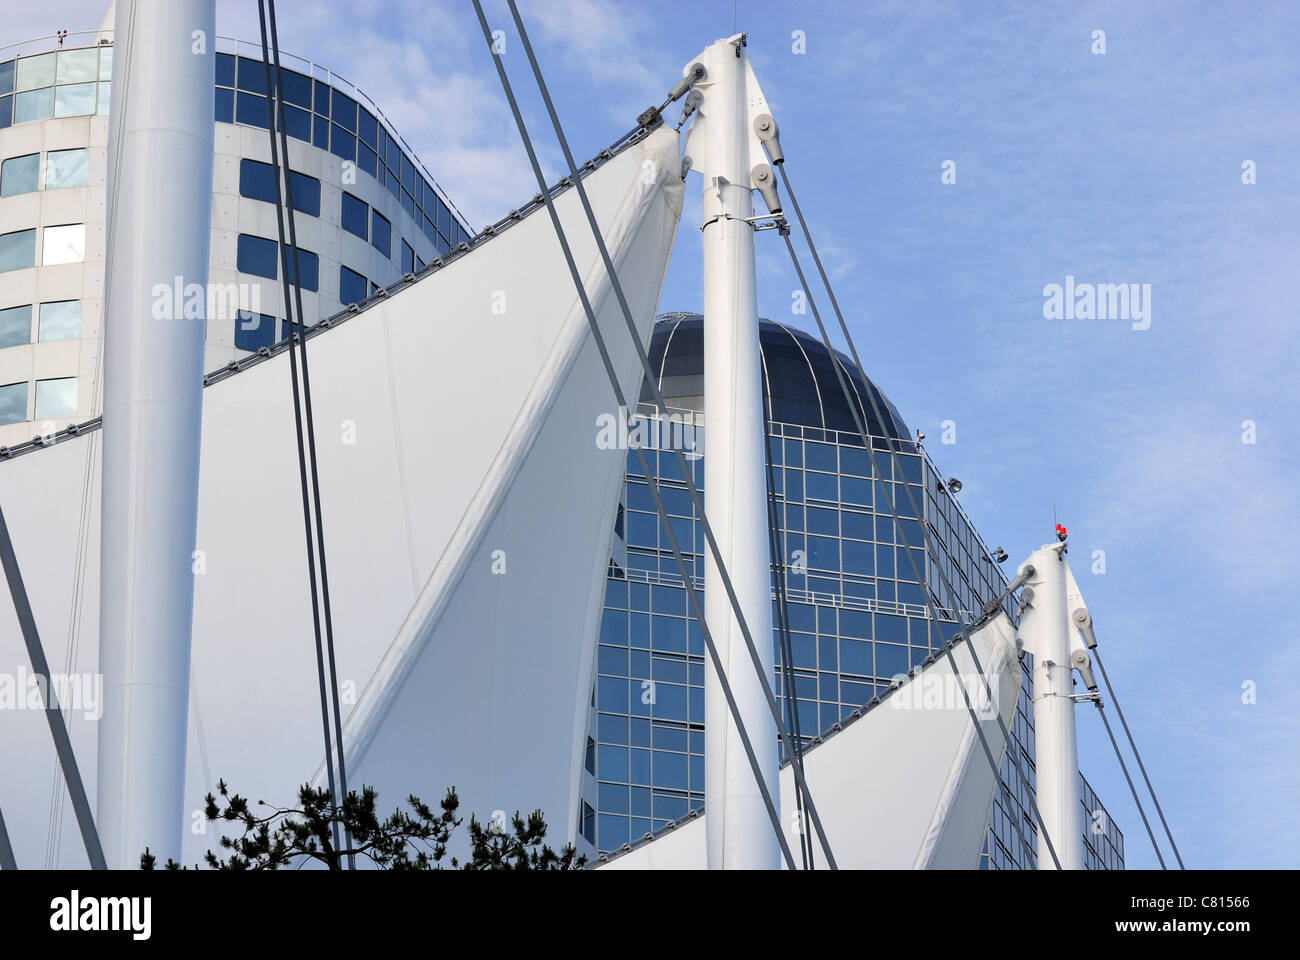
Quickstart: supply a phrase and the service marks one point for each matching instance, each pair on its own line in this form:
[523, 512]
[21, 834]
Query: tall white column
[160, 197]
[723, 149]
[1045, 629]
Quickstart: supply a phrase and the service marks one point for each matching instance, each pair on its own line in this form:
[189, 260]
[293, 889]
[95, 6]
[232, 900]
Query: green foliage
[495, 849]
[416, 840]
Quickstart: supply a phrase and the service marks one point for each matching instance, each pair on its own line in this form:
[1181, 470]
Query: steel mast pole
[724, 149]
[1045, 630]
[160, 197]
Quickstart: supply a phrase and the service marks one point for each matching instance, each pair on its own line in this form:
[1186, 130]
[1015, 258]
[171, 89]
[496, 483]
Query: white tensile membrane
[906, 786]
[468, 511]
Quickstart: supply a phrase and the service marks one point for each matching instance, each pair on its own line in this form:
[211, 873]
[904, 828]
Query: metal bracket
[777, 223]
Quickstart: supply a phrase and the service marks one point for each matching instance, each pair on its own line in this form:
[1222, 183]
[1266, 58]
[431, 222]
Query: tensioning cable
[290, 273]
[784, 644]
[1141, 766]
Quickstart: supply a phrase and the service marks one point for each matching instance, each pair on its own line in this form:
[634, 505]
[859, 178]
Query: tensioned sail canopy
[468, 511]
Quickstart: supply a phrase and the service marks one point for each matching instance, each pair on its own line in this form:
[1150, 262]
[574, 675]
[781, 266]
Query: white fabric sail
[468, 510]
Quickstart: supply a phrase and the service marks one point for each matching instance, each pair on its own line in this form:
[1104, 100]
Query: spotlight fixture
[919, 436]
[954, 485]
[1000, 555]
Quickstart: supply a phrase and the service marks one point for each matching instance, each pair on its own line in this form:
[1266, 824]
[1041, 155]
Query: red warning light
[1060, 532]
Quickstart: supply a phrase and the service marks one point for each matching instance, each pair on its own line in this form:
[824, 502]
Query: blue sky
[1122, 167]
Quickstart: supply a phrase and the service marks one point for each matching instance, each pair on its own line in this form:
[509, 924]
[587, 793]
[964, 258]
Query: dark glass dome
[798, 375]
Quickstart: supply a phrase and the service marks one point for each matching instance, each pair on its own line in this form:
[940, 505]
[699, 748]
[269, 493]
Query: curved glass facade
[857, 615]
[55, 83]
[318, 113]
[353, 178]
[77, 81]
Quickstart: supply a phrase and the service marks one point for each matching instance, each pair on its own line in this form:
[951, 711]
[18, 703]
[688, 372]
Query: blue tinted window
[612, 831]
[355, 216]
[6, 111]
[74, 99]
[611, 764]
[257, 182]
[820, 456]
[16, 327]
[297, 123]
[253, 331]
[859, 558]
[352, 286]
[669, 770]
[225, 106]
[256, 255]
[296, 88]
[381, 233]
[320, 135]
[343, 144]
[344, 111]
[366, 159]
[367, 127]
[322, 98]
[13, 403]
[891, 660]
[60, 320]
[20, 175]
[408, 258]
[822, 486]
[7, 77]
[34, 105]
[252, 75]
[306, 193]
[17, 250]
[225, 70]
[309, 263]
[251, 110]
[56, 398]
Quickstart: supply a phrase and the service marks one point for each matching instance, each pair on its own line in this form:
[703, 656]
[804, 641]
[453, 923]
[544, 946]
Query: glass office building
[857, 615]
[367, 212]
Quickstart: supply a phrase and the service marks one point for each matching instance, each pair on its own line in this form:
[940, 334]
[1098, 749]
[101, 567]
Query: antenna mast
[724, 147]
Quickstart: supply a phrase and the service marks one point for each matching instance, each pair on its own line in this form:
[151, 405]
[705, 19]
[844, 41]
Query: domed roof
[798, 375]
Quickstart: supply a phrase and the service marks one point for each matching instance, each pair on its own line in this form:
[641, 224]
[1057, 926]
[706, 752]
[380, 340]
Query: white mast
[160, 196]
[724, 148]
[1047, 632]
